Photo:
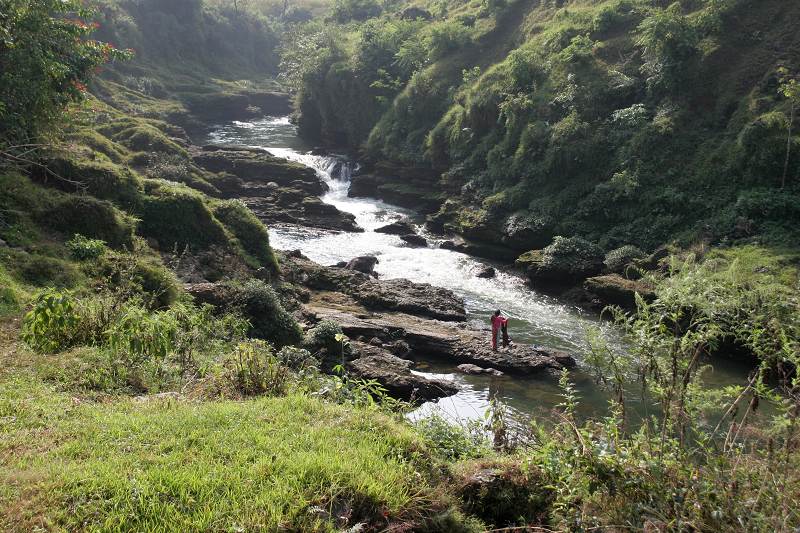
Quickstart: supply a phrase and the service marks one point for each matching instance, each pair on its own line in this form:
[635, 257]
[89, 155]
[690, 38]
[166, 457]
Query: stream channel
[534, 318]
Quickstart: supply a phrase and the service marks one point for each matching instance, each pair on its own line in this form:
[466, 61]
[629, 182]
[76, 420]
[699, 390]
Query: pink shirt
[498, 321]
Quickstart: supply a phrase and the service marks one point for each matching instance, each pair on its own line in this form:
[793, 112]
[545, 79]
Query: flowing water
[534, 318]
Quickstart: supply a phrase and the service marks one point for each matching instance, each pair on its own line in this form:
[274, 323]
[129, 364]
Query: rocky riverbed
[276, 190]
[395, 323]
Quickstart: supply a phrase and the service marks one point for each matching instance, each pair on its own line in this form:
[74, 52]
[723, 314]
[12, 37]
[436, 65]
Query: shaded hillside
[623, 121]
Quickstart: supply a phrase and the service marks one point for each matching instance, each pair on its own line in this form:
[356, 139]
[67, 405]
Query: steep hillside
[621, 121]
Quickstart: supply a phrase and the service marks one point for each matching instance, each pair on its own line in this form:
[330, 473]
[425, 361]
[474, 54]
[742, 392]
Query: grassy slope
[67, 463]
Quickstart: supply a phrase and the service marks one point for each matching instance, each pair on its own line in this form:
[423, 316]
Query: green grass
[759, 266]
[216, 466]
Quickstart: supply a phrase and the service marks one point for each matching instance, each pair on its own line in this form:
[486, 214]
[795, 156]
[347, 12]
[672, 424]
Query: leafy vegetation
[617, 124]
[589, 119]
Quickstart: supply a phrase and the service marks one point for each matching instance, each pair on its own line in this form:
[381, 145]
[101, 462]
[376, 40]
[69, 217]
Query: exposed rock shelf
[277, 190]
[399, 295]
[427, 338]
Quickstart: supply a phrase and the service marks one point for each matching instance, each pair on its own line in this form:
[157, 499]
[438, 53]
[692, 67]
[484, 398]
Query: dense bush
[347, 10]
[82, 248]
[454, 441]
[591, 120]
[47, 271]
[49, 326]
[326, 336]
[254, 369]
[616, 260]
[146, 350]
[297, 358]
[188, 36]
[268, 318]
[567, 259]
[135, 274]
[46, 61]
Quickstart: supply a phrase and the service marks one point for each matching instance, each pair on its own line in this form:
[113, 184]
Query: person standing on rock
[498, 322]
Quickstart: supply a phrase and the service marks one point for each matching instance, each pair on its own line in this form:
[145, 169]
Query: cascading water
[535, 318]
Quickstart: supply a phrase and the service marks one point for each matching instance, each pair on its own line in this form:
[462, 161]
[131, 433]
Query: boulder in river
[486, 272]
[275, 189]
[478, 249]
[256, 167]
[363, 263]
[475, 370]
[400, 227]
[563, 263]
[395, 375]
[363, 185]
[613, 289]
[414, 240]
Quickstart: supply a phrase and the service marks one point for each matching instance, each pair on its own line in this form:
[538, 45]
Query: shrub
[269, 320]
[297, 358]
[504, 492]
[178, 216]
[768, 204]
[347, 10]
[454, 441]
[254, 369]
[47, 60]
[323, 336]
[248, 230]
[616, 260]
[567, 259]
[96, 219]
[136, 275]
[444, 37]
[9, 294]
[49, 326]
[83, 248]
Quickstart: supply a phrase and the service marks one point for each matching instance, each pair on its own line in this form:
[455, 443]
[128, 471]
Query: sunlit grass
[170, 465]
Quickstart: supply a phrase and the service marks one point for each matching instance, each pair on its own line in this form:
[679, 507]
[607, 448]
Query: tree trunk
[788, 147]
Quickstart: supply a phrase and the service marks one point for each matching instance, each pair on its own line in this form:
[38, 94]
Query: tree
[46, 61]
[789, 88]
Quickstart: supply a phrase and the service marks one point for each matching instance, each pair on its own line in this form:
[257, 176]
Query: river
[534, 317]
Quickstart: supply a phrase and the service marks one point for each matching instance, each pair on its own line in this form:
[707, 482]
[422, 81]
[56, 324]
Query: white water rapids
[535, 318]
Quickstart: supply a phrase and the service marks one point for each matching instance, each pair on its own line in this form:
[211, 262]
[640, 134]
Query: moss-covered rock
[619, 259]
[175, 215]
[88, 216]
[503, 493]
[564, 262]
[94, 174]
[257, 166]
[45, 270]
[613, 289]
[251, 233]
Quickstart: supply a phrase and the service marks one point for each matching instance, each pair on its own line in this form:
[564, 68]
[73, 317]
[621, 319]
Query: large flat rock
[428, 338]
[402, 295]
